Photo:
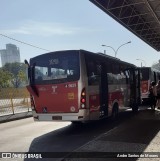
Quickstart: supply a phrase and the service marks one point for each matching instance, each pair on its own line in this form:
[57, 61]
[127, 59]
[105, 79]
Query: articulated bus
[78, 86]
[148, 75]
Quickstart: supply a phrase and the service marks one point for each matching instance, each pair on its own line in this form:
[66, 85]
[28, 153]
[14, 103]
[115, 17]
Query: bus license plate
[57, 118]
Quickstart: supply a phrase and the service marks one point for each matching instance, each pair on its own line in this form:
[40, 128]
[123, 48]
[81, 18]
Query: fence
[14, 100]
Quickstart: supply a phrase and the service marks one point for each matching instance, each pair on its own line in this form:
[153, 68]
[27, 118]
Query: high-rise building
[10, 55]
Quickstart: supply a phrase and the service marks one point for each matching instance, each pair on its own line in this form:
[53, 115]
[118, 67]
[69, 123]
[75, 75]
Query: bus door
[138, 86]
[134, 81]
[98, 89]
[103, 90]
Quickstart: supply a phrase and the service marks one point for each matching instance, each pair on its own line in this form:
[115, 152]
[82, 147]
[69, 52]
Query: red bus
[78, 86]
[148, 75]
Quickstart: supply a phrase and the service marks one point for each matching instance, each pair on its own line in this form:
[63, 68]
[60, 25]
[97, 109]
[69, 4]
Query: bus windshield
[56, 67]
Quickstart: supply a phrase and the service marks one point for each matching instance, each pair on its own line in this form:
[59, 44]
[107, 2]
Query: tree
[5, 78]
[156, 65]
[18, 73]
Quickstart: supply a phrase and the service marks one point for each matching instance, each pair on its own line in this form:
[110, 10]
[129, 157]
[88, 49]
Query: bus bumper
[82, 115]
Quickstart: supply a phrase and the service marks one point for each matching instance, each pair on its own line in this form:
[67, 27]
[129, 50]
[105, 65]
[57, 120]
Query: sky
[69, 24]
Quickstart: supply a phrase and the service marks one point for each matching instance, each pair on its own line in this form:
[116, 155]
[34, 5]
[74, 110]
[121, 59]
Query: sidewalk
[16, 116]
[139, 135]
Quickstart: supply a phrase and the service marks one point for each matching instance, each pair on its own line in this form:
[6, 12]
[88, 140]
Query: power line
[23, 42]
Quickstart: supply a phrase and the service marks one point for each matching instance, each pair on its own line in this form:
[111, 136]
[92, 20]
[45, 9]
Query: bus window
[40, 73]
[127, 74]
[123, 78]
[56, 68]
[93, 72]
[110, 78]
[116, 69]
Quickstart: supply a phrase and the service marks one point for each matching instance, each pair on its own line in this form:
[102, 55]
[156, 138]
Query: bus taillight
[83, 98]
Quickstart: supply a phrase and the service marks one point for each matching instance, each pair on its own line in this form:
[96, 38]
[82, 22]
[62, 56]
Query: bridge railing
[14, 100]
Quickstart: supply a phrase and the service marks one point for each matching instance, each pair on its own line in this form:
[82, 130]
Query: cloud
[14, 31]
[43, 29]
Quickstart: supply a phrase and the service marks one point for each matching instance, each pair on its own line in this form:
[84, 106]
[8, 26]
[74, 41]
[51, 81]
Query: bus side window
[110, 78]
[126, 72]
[94, 72]
[90, 72]
[123, 78]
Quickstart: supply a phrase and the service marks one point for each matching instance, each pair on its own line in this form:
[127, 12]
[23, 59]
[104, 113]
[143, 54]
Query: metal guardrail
[14, 100]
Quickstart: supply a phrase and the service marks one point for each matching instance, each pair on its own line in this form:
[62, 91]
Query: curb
[17, 116]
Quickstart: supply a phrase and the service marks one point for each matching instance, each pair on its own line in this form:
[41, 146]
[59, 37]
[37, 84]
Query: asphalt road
[28, 136]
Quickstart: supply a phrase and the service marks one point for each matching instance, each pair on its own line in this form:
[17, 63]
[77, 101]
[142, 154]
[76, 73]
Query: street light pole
[141, 61]
[110, 47]
[116, 51]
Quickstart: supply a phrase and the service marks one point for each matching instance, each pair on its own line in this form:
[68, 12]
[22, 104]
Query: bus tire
[115, 112]
[135, 108]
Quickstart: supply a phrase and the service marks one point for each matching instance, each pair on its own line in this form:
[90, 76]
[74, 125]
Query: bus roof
[110, 57]
[87, 52]
[151, 68]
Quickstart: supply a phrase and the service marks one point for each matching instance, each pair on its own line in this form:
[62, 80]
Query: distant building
[10, 55]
